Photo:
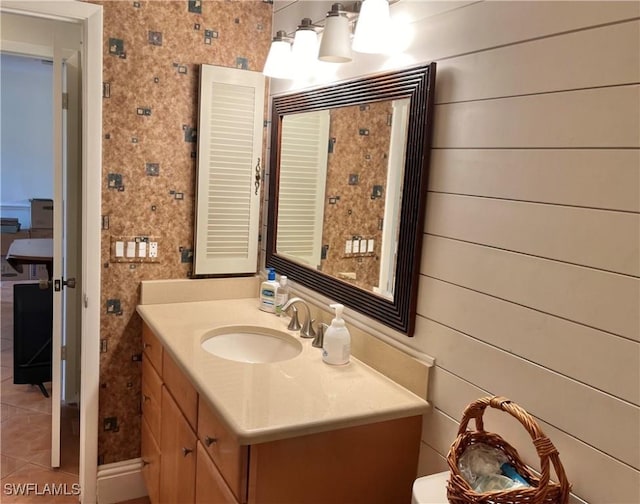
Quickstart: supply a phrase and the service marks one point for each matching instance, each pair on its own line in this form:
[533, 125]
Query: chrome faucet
[307, 326]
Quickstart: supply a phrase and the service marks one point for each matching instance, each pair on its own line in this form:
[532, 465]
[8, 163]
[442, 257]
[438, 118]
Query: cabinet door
[210, 486]
[151, 391]
[230, 133]
[150, 453]
[230, 458]
[181, 389]
[177, 445]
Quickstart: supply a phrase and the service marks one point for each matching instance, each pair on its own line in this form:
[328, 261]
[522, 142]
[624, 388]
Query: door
[72, 241]
[65, 230]
[230, 133]
[302, 184]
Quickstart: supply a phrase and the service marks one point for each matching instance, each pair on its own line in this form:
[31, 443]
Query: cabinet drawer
[151, 397]
[230, 458]
[152, 348]
[210, 485]
[181, 389]
[150, 453]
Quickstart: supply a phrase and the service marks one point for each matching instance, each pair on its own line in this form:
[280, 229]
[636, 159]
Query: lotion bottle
[336, 346]
[282, 295]
[268, 290]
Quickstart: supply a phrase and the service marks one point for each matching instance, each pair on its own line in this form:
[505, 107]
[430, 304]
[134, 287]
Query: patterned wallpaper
[152, 51]
[355, 191]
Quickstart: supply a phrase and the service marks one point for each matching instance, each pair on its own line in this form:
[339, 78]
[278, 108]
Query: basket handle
[544, 447]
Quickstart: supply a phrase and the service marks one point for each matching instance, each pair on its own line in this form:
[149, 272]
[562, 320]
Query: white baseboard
[120, 481]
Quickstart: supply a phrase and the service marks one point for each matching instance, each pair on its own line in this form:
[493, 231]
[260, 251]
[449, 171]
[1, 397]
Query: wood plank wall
[529, 277]
[529, 281]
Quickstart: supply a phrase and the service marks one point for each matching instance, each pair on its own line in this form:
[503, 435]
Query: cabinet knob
[146, 397]
[145, 463]
[146, 345]
[209, 441]
[186, 451]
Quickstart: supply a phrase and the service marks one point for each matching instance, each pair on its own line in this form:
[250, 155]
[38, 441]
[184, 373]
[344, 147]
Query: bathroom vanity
[297, 430]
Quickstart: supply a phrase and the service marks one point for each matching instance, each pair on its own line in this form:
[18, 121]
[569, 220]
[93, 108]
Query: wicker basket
[541, 491]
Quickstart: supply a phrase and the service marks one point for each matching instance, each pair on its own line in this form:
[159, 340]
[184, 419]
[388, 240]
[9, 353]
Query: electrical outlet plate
[134, 249]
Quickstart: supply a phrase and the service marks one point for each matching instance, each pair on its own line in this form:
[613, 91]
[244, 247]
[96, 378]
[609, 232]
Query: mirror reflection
[340, 190]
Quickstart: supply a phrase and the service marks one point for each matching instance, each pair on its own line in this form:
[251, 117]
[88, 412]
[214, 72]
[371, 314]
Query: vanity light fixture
[336, 37]
[278, 62]
[372, 27]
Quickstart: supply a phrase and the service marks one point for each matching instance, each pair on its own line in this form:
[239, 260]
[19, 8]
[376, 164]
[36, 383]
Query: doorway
[89, 17]
[52, 437]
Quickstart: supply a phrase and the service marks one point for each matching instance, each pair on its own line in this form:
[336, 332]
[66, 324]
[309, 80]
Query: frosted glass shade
[372, 28]
[304, 51]
[278, 64]
[336, 44]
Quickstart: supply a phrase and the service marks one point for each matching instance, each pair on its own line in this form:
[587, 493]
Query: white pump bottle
[336, 345]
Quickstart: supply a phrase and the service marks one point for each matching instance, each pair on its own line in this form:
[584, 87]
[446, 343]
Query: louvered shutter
[229, 149]
[303, 171]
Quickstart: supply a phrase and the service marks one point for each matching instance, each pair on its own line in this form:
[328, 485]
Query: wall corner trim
[120, 481]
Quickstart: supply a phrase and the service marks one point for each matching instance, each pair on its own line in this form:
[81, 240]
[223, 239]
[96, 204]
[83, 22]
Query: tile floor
[25, 431]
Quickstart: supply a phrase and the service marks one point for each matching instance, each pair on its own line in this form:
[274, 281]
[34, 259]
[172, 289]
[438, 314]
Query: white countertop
[266, 402]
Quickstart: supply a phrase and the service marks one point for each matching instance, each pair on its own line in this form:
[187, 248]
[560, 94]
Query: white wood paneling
[430, 461]
[530, 334]
[607, 178]
[602, 56]
[464, 31]
[602, 300]
[551, 231]
[505, 374]
[602, 118]
[585, 465]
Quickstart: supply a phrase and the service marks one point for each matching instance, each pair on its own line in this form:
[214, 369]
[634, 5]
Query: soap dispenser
[336, 346]
[268, 290]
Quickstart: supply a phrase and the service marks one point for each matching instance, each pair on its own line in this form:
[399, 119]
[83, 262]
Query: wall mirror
[347, 190]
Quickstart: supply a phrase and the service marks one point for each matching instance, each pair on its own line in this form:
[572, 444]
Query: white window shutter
[229, 150]
[303, 172]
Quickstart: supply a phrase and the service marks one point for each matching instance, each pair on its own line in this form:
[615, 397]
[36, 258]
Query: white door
[230, 130]
[302, 184]
[65, 222]
[72, 241]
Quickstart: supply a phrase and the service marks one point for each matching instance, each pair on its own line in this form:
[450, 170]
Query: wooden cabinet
[150, 453]
[178, 452]
[152, 348]
[210, 485]
[195, 458]
[230, 458]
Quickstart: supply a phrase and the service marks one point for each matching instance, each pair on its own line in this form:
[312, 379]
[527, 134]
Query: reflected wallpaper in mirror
[340, 189]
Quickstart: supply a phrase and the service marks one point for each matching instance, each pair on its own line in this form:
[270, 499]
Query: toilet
[430, 489]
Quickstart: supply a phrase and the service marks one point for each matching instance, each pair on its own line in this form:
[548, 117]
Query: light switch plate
[134, 249]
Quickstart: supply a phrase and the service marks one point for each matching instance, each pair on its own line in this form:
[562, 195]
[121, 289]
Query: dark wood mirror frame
[418, 84]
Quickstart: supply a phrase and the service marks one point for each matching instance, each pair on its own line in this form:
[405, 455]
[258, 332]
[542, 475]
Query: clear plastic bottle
[336, 346]
[282, 295]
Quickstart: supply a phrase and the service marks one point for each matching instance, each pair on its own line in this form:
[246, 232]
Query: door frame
[90, 16]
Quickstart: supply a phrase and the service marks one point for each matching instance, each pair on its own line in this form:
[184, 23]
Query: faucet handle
[319, 339]
[294, 324]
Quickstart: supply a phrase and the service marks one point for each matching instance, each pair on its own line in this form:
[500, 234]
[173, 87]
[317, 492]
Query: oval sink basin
[251, 344]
